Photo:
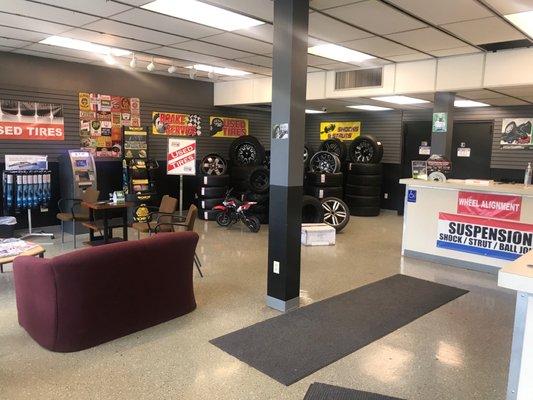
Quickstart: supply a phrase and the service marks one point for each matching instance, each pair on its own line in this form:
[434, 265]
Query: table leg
[1, 268]
[106, 228]
[91, 219]
[125, 224]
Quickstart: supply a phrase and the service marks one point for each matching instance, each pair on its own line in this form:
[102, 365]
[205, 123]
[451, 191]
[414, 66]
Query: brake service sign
[181, 157]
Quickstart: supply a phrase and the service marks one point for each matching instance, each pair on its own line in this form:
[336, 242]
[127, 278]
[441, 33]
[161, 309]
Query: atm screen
[81, 163]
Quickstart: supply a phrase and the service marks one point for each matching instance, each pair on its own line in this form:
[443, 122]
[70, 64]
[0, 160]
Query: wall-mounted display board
[343, 130]
[228, 127]
[102, 118]
[174, 124]
[22, 120]
[517, 133]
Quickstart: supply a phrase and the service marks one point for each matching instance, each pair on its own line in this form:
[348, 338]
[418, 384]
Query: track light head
[150, 67]
[171, 69]
[133, 62]
[192, 73]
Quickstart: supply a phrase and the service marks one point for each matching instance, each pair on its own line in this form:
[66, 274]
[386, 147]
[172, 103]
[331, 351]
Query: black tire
[240, 186]
[335, 146]
[324, 179]
[364, 211]
[363, 201]
[206, 192]
[214, 180]
[312, 211]
[213, 164]
[266, 161]
[336, 213]
[323, 161]
[364, 169]
[362, 190]
[259, 180]
[208, 204]
[253, 223]
[246, 150]
[308, 153]
[258, 198]
[263, 218]
[240, 173]
[323, 192]
[366, 149]
[364, 180]
[223, 218]
[207, 215]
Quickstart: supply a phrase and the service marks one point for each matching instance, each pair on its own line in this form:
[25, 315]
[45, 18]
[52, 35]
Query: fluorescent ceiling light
[367, 107]
[218, 70]
[523, 21]
[400, 100]
[202, 13]
[82, 45]
[468, 103]
[309, 111]
[109, 59]
[339, 53]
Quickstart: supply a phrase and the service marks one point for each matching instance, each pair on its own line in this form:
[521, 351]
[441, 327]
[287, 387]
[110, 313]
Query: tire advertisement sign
[228, 127]
[342, 130]
[22, 120]
[173, 124]
[506, 240]
[181, 156]
[489, 205]
[517, 133]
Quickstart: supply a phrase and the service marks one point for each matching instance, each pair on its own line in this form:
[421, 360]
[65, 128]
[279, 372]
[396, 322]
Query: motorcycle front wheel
[252, 222]
[223, 218]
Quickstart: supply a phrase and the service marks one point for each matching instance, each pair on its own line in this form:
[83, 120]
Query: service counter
[465, 225]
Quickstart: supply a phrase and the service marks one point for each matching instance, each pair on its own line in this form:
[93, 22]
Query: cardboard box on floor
[318, 235]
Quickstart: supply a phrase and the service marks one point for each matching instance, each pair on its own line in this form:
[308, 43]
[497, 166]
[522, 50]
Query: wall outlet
[275, 267]
[386, 195]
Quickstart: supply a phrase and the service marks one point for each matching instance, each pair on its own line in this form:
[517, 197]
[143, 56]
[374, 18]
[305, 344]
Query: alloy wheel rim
[334, 212]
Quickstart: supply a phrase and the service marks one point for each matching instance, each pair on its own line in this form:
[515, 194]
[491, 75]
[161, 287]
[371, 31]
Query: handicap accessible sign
[411, 196]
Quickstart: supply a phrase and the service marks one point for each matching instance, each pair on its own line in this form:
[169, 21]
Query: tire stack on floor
[212, 185]
[364, 175]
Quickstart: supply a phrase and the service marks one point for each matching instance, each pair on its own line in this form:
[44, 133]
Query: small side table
[37, 251]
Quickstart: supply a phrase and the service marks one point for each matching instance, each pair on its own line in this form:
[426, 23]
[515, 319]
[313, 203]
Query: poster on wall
[440, 122]
[280, 131]
[135, 143]
[102, 118]
[517, 133]
[342, 130]
[181, 156]
[506, 240]
[22, 120]
[173, 124]
[26, 162]
[228, 127]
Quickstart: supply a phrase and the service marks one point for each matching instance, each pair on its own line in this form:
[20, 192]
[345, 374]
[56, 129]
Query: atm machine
[77, 171]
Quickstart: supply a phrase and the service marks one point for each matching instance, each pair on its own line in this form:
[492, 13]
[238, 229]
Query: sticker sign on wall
[173, 124]
[181, 156]
[342, 130]
[440, 122]
[228, 127]
[517, 133]
[20, 120]
[489, 205]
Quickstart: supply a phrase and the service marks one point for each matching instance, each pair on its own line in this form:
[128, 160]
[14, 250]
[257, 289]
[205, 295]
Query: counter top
[517, 275]
[504, 188]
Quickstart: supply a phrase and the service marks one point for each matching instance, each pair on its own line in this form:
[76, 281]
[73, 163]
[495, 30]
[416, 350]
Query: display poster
[489, 205]
[26, 162]
[23, 120]
[517, 133]
[419, 169]
[135, 143]
[342, 130]
[181, 156]
[228, 127]
[173, 124]
[280, 131]
[102, 118]
[506, 240]
[440, 122]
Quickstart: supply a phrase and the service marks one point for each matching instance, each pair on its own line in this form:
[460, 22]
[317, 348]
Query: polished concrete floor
[459, 351]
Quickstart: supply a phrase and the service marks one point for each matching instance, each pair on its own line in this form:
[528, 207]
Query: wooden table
[104, 226]
[36, 251]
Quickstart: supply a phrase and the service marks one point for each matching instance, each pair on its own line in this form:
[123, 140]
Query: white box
[318, 235]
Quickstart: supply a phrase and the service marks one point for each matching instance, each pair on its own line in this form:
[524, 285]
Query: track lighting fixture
[192, 73]
[171, 69]
[150, 67]
[133, 62]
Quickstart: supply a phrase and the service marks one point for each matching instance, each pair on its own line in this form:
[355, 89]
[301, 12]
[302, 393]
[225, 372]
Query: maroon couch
[91, 296]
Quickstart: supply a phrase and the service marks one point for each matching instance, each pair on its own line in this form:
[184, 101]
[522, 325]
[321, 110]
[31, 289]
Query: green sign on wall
[440, 122]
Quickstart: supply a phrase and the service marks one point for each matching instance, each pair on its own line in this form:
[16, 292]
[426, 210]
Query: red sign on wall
[29, 131]
[489, 205]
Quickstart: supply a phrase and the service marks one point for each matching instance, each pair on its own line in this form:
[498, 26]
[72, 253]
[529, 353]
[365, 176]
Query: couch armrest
[36, 296]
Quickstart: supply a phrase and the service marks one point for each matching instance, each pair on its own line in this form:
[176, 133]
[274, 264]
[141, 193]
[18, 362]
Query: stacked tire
[364, 175]
[324, 184]
[213, 184]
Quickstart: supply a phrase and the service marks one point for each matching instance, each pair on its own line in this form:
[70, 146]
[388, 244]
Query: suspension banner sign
[489, 205]
[22, 120]
[506, 240]
[342, 130]
[173, 124]
[228, 127]
[181, 156]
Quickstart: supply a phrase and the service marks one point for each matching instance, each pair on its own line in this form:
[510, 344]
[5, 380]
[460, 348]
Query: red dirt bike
[233, 210]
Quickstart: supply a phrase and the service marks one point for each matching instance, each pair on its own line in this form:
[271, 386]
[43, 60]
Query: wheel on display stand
[259, 180]
[366, 149]
[323, 161]
[247, 150]
[213, 164]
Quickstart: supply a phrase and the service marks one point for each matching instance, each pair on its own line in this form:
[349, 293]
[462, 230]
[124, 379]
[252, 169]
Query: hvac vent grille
[359, 78]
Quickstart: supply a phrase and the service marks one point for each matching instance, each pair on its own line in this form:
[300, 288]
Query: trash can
[7, 227]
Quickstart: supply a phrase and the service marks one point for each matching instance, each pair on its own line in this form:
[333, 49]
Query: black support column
[289, 78]
[441, 142]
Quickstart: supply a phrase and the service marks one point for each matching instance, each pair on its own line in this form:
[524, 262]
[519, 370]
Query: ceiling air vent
[359, 78]
[512, 44]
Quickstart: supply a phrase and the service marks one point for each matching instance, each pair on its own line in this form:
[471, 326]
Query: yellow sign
[84, 101]
[227, 127]
[343, 130]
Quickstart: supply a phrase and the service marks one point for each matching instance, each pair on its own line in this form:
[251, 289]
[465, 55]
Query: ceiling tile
[262, 9]
[49, 13]
[409, 57]
[337, 66]
[313, 69]
[317, 61]
[441, 12]
[376, 17]
[110, 40]
[167, 24]
[455, 51]
[263, 32]
[185, 55]
[521, 91]
[323, 4]
[478, 94]
[505, 101]
[13, 42]
[511, 6]
[331, 30]
[378, 47]
[486, 30]
[6, 49]
[427, 39]
[16, 21]
[21, 34]
[103, 8]
[61, 51]
[132, 32]
[245, 67]
[240, 42]
[258, 60]
[211, 49]
[50, 55]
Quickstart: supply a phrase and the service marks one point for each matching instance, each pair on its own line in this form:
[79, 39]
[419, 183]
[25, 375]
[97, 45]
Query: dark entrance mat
[294, 345]
[321, 391]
